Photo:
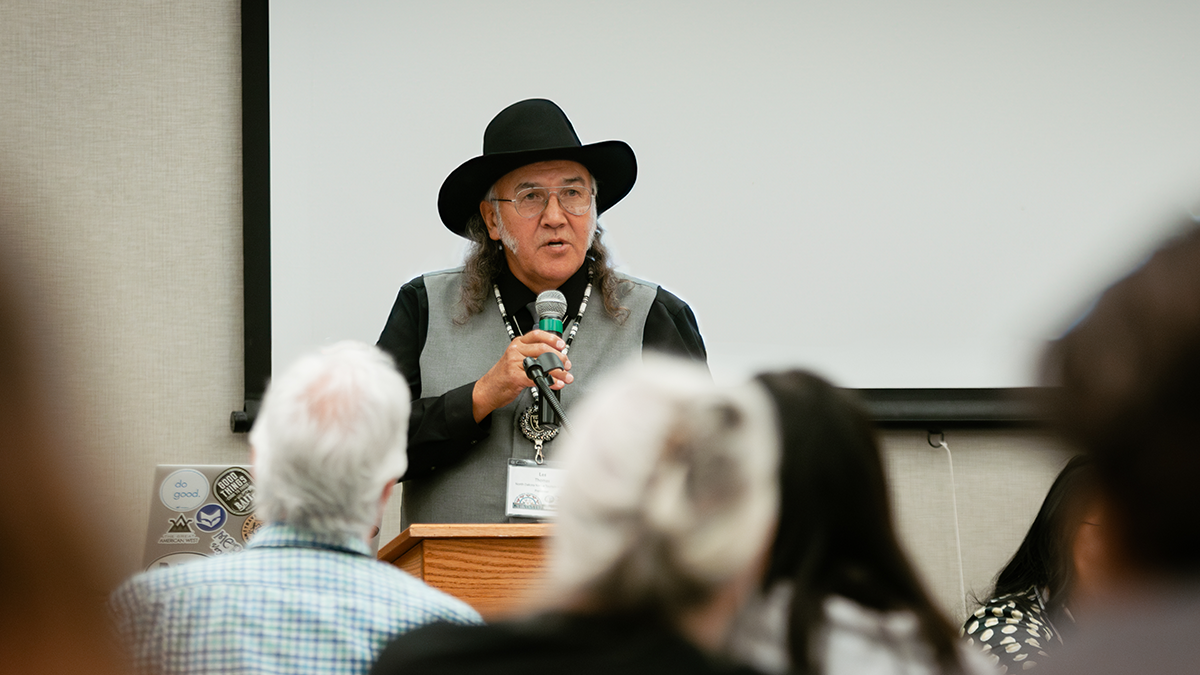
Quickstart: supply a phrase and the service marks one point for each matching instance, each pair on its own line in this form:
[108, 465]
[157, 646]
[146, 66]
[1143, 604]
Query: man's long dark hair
[836, 535]
[1044, 560]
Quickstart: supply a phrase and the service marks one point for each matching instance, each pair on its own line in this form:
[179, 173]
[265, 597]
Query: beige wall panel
[120, 166]
[1001, 478]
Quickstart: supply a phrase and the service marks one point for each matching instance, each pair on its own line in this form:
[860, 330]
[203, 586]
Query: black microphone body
[551, 308]
[536, 370]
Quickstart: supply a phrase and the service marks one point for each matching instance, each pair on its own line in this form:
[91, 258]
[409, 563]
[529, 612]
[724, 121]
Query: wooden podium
[497, 569]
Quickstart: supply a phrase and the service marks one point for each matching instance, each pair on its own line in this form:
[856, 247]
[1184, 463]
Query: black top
[551, 644]
[1013, 631]
[442, 428]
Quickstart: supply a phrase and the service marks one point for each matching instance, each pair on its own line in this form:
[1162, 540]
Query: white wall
[120, 163]
[912, 194]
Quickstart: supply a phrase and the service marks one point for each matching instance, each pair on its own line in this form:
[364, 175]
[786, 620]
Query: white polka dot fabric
[1012, 632]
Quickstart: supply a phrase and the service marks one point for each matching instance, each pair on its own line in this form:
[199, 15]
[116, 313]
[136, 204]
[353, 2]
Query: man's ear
[489, 218]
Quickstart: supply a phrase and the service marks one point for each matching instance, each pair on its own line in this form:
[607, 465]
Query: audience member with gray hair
[331, 442]
[665, 518]
[305, 595]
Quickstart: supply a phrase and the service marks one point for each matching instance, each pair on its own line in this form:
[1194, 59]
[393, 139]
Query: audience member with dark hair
[666, 512]
[1027, 611]
[839, 595]
[1129, 396]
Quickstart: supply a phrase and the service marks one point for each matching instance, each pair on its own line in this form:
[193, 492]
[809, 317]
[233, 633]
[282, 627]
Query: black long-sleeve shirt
[442, 429]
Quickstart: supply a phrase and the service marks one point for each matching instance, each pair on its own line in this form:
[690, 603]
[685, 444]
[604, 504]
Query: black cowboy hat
[534, 130]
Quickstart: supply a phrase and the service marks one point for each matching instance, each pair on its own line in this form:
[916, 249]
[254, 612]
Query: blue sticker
[210, 518]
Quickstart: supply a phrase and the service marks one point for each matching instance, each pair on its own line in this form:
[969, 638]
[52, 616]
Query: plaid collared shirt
[292, 602]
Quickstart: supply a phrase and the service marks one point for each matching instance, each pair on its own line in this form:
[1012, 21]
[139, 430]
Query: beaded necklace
[514, 330]
[530, 423]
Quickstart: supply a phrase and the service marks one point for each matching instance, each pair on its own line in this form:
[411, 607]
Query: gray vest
[473, 491]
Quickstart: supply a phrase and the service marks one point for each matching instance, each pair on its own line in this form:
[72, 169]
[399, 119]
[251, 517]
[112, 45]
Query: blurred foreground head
[330, 438]
[55, 567]
[1129, 373]
[671, 492]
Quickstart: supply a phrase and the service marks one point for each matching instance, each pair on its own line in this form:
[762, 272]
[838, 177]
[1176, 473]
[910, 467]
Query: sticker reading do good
[183, 490]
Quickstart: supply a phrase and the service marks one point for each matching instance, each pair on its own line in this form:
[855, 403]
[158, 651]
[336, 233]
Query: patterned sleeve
[1011, 631]
[128, 618]
[465, 615]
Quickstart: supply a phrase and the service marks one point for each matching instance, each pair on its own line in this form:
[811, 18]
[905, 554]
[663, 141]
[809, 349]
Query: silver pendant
[531, 426]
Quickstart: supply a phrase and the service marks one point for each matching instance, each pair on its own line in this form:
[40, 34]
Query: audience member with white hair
[665, 517]
[305, 595]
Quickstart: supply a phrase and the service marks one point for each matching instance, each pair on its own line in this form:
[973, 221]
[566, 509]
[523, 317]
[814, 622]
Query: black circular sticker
[235, 490]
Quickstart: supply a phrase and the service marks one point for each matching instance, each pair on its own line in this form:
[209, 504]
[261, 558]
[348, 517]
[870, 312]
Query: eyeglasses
[529, 202]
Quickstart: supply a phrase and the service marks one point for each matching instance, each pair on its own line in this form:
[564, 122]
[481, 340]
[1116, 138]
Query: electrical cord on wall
[962, 582]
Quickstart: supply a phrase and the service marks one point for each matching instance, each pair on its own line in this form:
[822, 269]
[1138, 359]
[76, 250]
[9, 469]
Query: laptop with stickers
[198, 511]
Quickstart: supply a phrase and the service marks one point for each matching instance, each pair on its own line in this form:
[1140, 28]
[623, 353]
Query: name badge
[532, 489]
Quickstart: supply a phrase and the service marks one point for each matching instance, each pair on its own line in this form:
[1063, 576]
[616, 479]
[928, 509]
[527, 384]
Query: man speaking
[529, 205]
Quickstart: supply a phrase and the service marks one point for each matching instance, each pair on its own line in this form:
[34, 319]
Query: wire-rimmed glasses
[531, 201]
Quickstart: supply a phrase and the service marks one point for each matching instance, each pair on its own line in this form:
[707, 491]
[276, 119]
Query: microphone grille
[551, 303]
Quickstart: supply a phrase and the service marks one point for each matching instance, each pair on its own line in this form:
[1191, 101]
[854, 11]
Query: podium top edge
[452, 530]
[418, 532]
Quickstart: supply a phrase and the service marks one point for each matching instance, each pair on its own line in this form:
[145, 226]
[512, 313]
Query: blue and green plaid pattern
[292, 602]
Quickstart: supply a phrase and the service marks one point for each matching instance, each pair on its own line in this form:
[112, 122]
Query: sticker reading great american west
[180, 532]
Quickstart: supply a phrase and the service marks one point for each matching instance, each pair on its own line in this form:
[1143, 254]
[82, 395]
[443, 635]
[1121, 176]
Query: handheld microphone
[536, 370]
[551, 307]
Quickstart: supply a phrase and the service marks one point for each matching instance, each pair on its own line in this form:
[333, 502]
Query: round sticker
[234, 489]
[175, 560]
[183, 490]
[210, 518]
[250, 527]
